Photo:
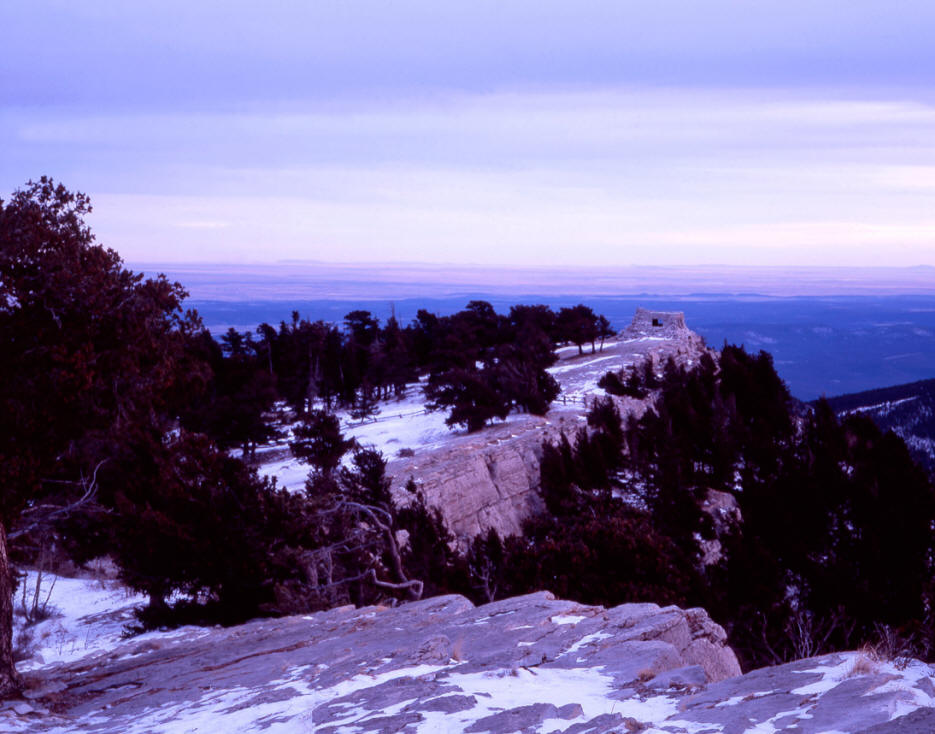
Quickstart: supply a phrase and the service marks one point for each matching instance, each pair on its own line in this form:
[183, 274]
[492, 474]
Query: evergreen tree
[358, 549]
[233, 404]
[194, 522]
[578, 325]
[319, 441]
[486, 561]
[472, 396]
[429, 552]
[91, 351]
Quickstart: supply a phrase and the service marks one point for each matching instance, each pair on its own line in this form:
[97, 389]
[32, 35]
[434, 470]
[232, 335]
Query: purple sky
[536, 133]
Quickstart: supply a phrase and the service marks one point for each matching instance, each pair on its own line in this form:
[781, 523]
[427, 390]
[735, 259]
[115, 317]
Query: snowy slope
[86, 616]
[406, 424]
[907, 410]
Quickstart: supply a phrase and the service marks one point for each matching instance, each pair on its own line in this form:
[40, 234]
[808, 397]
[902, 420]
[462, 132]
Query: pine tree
[319, 441]
[578, 325]
[91, 351]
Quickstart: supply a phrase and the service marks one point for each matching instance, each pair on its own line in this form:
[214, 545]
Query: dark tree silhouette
[197, 522]
[232, 408]
[91, 351]
[319, 441]
[578, 325]
[473, 398]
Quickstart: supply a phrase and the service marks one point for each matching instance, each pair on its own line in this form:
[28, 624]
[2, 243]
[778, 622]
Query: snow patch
[567, 619]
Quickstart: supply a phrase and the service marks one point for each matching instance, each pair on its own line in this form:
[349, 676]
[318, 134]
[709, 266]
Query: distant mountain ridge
[289, 281]
[908, 410]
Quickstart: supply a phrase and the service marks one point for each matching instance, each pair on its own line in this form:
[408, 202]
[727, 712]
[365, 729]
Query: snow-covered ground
[406, 423]
[85, 616]
[399, 425]
[880, 409]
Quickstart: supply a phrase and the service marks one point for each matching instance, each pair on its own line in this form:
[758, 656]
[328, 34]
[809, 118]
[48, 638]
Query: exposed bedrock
[413, 661]
[527, 664]
[490, 479]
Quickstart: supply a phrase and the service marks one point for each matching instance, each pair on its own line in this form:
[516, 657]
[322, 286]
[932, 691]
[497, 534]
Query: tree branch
[43, 514]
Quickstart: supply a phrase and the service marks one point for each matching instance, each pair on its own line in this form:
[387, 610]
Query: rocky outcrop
[724, 511]
[664, 324]
[671, 336]
[481, 481]
[527, 664]
[390, 669]
[847, 692]
[491, 479]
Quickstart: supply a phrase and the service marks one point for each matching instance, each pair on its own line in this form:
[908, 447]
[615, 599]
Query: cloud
[202, 225]
[613, 176]
[212, 54]
[916, 177]
[590, 122]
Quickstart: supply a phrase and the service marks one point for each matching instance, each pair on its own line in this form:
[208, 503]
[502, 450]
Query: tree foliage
[835, 541]
[498, 364]
[579, 325]
[92, 353]
[482, 365]
[119, 413]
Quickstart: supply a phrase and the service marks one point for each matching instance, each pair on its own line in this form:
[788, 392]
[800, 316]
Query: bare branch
[414, 586]
[46, 513]
[383, 520]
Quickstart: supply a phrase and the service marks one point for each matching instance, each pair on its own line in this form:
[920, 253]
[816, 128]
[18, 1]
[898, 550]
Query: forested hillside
[120, 411]
[907, 410]
[480, 365]
[126, 426]
[800, 532]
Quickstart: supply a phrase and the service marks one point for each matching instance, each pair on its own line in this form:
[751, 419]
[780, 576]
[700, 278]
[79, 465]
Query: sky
[594, 133]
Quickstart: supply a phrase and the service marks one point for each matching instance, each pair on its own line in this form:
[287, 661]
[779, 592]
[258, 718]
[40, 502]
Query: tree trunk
[10, 682]
[158, 606]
